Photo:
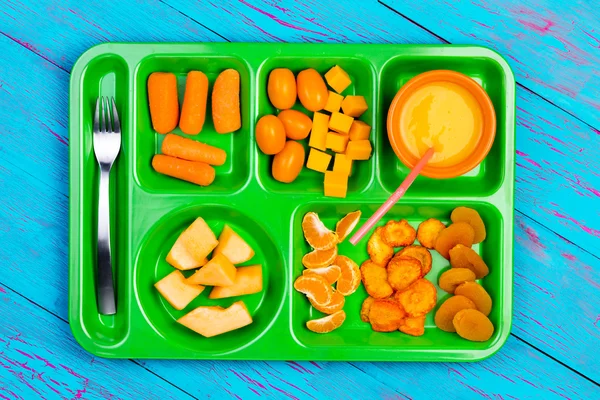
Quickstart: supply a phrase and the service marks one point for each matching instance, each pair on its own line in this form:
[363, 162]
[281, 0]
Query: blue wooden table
[554, 50]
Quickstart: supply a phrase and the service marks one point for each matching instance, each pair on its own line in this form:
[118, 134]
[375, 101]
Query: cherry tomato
[297, 124]
[270, 134]
[281, 88]
[288, 163]
[312, 91]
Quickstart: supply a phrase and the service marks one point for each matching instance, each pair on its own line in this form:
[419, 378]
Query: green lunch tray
[151, 210]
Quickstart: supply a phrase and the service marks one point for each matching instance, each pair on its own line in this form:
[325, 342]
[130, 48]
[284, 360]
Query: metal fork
[107, 143]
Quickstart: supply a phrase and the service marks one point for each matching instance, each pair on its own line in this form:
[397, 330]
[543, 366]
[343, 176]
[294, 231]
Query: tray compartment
[363, 83]
[489, 175]
[231, 176]
[357, 334]
[151, 266]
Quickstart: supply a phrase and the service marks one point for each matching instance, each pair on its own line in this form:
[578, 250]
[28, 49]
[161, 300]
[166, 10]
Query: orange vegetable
[162, 97]
[288, 163]
[192, 171]
[297, 125]
[270, 134]
[281, 88]
[312, 90]
[193, 111]
[188, 149]
[226, 102]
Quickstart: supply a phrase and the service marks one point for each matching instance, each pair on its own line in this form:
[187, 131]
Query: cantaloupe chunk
[340, 123]
[199, 240]
[359, 150]
[217, 272]
[354, 106]
[359, 130]
[335, 184]
[232, 246]
[337, 141]
[318, 134]
[181, 259]
[334, 102]
[177, 291]
[342, 164]
[318, 161]
[338, 79]
[211, 321]
[248, 280]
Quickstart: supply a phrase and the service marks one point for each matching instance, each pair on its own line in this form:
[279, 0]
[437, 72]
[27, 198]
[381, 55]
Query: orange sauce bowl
[458, 100]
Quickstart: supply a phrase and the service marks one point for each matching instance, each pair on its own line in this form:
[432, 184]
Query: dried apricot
[374, 278]
[428, 232]
[316, 234]
[477, 294]
[328, 323]
[458, 233]
[320, 258]
[385, 315]
[403, 272]
[471, 217]
[365, 309]
[315, 288]
[418, 299]
[420, 253]
[398, 233]
[445, 314]
[465, 257]
[335, 304]
[379, 251]
[346, 225]
[473, 325]
[350, 279]
[453, 277]
[414, 326]
[331, 273]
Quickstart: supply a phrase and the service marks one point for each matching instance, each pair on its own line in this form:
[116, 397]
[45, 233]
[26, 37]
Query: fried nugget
[420, 253]
[366, 309]
[374, 278]
[403, 272]
[418, 299]
[414, 326]
[398, 233]
[386, 315]
[379, 251]
[428, 232]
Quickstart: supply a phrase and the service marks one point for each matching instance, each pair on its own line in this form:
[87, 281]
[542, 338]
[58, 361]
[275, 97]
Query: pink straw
[385, 207]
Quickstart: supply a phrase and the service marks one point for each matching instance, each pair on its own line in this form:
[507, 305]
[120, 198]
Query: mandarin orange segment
[346, 225]
[316, 234]
[315, 288]
[328, 323]
[350, 279]
[320, 258]
[335, 305]
[331, 273]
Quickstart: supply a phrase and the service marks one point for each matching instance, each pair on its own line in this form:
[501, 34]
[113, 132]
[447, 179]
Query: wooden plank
[40, 359]
[551, 45]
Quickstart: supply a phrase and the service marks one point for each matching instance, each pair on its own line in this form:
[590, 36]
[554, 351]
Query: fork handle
[105, 285]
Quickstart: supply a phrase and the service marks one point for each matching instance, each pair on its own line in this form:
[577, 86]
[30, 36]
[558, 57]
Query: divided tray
[151, 210]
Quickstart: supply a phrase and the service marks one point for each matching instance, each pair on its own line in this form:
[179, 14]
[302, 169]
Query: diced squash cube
[359, 150]
[340, 123]
[318, 161]
[177, 291]
[342, 164]
[217, 272]
[213, 320]
[319, 131]
[338, 79]
[232, 246]
[337, 142]
[334, 102]
[181, 259]
[199, 240]
[248, 280]
[359, 130]
[354, 106]
[336, 184]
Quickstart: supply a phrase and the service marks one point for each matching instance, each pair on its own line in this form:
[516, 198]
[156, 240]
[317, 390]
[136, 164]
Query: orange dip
[445, 116]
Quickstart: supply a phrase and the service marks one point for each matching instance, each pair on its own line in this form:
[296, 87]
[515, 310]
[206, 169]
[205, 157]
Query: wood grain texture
[553, 46]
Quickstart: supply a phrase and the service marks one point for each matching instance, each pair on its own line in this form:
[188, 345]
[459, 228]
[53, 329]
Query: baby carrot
[226, 102]
[193, 110]
[192, 171]
[188, 149]
[164, 106]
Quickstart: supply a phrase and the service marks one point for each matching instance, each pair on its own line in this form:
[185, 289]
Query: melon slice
[199, 240]
[177, 291]
[248, 280]
[181, 259]
[217, 272]
[211, 321]
[232, 246]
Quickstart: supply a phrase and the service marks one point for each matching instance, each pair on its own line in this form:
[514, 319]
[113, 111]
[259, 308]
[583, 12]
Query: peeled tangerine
[374, 278]
[335, 304]
[453, 277]
[403, 272]
[211, 321]
[328, 323]
[379, 251]
[457, 233]
[315, 288]
[418, 299]
[445, 314]
[398, 233]
[473, 325]
[420, 253]
[472, 217]
[248, 280]
[465, 257]
[386, 315]
[350, 278]
[232, 246]
[477, 294]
